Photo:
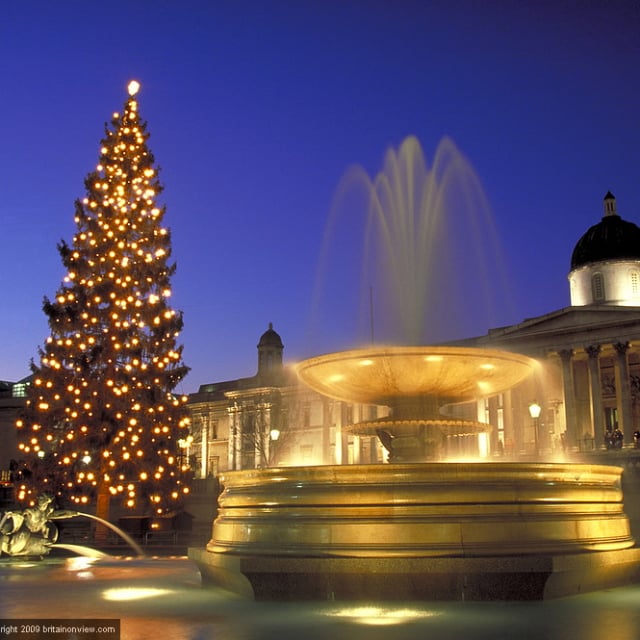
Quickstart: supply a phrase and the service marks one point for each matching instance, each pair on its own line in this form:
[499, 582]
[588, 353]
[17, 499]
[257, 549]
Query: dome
[270, 339]
[611, 239]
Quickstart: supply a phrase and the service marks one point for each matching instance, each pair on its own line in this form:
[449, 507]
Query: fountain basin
[396, 376]
[422, 531]
[415, 383]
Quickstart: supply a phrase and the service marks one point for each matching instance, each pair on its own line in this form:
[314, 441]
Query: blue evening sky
[257, 108]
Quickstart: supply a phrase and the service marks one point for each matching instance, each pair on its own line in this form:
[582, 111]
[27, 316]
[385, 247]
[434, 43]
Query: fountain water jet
[431, 266]
[418, 530]
[33, 532]
[80, 550]
[123, 534]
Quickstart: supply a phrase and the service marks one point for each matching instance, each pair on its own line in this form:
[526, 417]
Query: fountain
[415, 383]
[418, 527]
[32, 532]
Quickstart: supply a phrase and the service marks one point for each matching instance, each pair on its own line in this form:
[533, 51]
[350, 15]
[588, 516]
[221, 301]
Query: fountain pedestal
[421, 531]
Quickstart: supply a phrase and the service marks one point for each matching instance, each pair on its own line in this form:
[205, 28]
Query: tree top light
[133, 87]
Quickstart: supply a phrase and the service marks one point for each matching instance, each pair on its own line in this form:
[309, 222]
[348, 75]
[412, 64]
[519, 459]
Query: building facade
[586, 389]
[271, 419]
[589, 380]
[12, 400]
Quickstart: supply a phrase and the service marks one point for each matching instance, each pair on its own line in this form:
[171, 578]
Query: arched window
[597, 287]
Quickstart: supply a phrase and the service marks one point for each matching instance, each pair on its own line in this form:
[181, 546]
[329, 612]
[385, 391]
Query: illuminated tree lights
[101, 418]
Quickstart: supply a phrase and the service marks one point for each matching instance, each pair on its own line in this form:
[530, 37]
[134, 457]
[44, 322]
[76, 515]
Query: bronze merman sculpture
[31, 532]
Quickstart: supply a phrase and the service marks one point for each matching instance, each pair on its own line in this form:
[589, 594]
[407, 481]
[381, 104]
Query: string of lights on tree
[101, 416]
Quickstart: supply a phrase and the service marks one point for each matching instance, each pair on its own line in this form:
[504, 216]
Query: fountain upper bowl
[387, 375]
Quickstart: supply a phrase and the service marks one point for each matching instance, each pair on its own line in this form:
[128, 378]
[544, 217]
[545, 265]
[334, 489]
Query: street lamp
[534, 412]
[274, 434]
[185, 445]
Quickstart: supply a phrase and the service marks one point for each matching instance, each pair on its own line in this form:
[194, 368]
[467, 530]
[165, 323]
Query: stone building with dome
[589, 381]
[271, 419]
[587, 386]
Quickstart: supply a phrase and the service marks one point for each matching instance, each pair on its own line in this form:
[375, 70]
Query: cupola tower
[270, 350]
[605, 264]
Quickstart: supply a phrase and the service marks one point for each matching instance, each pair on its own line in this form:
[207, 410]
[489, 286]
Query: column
[571, 440]
[342, 436]
[508, 419]
[204, 447]
[623, 390]
[327, 420]
[338, 440]
[597, 411]
[234, 462]
[268, 425]
[261, 434]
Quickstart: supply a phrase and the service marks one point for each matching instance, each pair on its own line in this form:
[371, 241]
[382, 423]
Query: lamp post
[185, 446]
[534, 412]
[274, 434]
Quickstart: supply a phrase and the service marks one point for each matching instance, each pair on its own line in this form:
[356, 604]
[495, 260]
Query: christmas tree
[101, 421]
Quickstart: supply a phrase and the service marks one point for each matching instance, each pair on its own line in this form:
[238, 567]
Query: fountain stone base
[478, 531]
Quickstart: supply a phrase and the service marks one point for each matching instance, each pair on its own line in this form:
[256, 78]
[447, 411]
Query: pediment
[574, 318]
[567, 328]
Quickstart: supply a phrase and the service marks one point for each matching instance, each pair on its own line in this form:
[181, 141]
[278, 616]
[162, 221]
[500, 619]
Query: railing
[166, 537]
[203, 485]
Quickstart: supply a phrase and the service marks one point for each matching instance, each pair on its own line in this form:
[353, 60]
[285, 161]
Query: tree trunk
[102, 511]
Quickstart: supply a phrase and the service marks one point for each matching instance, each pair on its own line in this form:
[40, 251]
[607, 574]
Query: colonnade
[576, 428]
[251, 434]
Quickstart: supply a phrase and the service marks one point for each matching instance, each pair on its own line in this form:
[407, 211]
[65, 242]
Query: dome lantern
[270, 350]
[610, 205]
[605, 263]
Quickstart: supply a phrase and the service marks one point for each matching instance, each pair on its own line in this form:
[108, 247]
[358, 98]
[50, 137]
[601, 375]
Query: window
[597, 287]
[610, 418]
[213, 467]
[306, 415]
[19, 390]
[348, 417]
[635, 288]
[500, 417]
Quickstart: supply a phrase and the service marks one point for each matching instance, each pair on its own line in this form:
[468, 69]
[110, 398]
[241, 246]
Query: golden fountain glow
[126, 594]
[380, 616]
[393, 371]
